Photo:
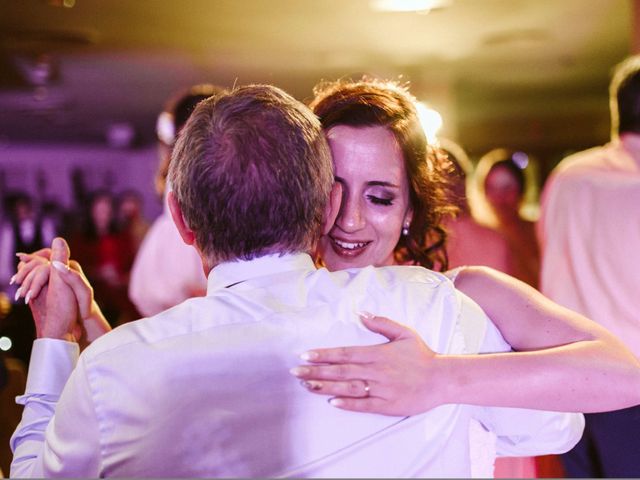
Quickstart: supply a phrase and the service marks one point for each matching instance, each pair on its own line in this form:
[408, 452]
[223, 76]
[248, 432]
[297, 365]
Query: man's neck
[631, 143]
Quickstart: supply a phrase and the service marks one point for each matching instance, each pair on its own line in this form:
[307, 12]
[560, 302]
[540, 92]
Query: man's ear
[186, 233]
[333, 207]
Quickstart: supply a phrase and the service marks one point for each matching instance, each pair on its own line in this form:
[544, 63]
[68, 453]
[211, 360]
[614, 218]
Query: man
[204, 388]
[590, 232]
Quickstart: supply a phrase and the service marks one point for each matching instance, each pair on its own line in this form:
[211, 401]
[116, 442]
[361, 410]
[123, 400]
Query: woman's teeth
[350, 245]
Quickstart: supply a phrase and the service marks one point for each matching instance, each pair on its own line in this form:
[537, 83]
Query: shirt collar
[230, 273]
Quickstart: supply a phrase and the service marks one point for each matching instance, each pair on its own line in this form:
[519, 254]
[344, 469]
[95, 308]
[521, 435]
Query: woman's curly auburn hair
[373, 102]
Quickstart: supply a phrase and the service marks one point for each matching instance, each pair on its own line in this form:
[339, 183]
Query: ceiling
[527, 72]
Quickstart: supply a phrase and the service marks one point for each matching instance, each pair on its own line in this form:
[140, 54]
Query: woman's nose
[351, 217]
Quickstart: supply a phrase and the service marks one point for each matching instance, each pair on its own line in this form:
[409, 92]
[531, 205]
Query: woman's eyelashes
[379, 200]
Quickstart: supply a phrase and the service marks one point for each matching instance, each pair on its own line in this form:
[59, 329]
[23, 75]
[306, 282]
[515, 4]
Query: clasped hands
[59, 295]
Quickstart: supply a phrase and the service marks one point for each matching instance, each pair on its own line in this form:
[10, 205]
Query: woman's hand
[396, 378]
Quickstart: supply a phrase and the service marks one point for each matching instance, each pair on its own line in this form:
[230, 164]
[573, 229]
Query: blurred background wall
[82, 81]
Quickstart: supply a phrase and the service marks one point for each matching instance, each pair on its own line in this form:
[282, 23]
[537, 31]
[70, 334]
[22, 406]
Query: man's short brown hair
[252, 173]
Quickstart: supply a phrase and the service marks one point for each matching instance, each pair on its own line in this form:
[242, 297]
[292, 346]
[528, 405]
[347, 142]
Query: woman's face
[502, 190]
[375, 198]
[102, 213]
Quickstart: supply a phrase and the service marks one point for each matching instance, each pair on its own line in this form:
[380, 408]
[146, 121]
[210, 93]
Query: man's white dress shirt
[204, 389]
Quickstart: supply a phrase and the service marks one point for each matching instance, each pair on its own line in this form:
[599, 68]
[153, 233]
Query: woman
[502, 183]
[394, 200]
[464, 232]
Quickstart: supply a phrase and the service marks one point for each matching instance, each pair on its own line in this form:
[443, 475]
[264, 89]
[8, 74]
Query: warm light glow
[62, 3]
[5, 344]
[422, 6]
[431, 121]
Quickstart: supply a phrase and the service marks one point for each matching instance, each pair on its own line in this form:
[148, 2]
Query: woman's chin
[337, 263]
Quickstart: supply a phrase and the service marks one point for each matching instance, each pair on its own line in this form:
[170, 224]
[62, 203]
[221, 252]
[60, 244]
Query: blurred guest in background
[502, 184]
[166, 271]
[23, 230]
[469, 242]
[131, 221]
[106, 254]
[589, 234]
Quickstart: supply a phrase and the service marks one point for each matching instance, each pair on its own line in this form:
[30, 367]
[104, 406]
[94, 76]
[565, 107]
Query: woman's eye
[380, 201]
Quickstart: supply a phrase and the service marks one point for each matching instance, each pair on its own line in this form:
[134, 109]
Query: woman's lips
[348, 248]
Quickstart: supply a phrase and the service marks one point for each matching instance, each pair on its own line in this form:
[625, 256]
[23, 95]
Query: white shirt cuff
[51, 364]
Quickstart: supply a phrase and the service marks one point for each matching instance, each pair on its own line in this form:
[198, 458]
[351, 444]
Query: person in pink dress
[165, 271]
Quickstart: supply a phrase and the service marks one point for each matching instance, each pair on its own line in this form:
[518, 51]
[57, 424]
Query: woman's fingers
[382, 325]
[349, 388]
[25, 267]
[341, 355]
[33, 274]
[340, 372]
[43, 253]
[33, 282]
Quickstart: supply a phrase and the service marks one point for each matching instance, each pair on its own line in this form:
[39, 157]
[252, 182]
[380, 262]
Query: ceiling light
[420, 6]
[62, 3]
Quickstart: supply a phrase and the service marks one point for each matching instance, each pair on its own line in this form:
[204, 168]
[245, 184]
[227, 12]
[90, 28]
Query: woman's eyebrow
[378, 183]
[372, 183]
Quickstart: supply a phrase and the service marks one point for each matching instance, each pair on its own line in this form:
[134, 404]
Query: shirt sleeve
[526, 432]
[58, 433]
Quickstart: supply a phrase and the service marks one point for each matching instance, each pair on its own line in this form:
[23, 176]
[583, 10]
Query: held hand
[396, 378]
[34, 272]
[61, 318]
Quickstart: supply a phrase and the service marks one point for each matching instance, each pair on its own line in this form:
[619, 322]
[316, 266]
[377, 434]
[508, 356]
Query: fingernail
[13, 279]
[59, 266]
[18, 293]
[27, 297]
[336, 402]
[366, 315]
[311, 385]
[299, 371]
[309, 355]
[20, 254]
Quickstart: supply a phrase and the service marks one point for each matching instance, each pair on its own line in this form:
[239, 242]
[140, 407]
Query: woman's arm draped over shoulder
[527, 319]
[563, 361]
